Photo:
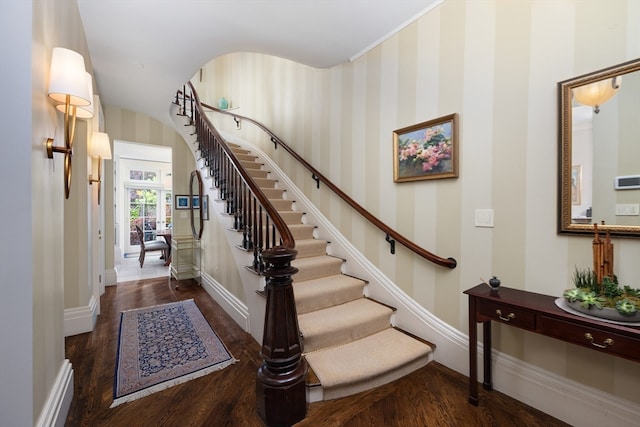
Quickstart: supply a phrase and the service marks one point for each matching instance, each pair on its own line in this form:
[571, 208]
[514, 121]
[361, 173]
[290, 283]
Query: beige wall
[496, 64]
[35, 232]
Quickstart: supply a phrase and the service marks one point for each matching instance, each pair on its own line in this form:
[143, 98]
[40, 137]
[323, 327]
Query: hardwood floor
[433, 396]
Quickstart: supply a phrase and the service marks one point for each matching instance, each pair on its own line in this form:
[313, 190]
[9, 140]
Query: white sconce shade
[100, 146]
[83, 111]
[597, 93]
[68, 77]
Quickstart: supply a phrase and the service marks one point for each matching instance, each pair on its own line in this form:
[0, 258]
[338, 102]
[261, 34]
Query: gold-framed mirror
[599, 152]
[195, 207]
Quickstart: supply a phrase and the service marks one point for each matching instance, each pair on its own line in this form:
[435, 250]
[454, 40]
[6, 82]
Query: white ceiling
[142, 51]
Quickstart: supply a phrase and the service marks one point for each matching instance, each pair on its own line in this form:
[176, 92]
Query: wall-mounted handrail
[391, 235]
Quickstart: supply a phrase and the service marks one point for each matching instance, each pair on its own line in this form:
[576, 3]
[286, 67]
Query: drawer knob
[607, 342]
[506, 319]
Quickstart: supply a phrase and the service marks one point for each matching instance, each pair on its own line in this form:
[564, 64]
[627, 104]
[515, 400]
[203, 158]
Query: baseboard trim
[56, 408]
[110, 277]
[565, 399]
[79, 320]
[229, 302]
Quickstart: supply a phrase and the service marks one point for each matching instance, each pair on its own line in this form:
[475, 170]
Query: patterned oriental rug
[162, 346]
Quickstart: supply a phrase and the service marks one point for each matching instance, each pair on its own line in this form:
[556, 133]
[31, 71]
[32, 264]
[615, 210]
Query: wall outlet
[484, 217]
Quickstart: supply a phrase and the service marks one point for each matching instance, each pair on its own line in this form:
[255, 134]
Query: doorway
[143, 196]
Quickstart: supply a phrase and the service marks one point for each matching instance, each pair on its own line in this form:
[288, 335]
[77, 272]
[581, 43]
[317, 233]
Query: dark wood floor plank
[432, 396]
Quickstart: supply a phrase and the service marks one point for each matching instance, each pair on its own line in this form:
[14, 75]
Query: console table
[538, 313]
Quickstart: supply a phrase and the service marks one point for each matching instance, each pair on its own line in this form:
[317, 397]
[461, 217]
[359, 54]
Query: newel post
[280, 386]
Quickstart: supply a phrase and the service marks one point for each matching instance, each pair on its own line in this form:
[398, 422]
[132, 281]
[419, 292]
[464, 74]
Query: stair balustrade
[280, 385]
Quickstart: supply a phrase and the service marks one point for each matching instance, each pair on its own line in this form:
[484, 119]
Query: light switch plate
[627, 209]
[484, 217]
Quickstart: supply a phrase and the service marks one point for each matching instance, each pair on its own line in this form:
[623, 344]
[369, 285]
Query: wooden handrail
[391, 235]
[287, 239]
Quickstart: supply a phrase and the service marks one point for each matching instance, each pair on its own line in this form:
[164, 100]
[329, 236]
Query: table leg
[473, 353]
[486, 337]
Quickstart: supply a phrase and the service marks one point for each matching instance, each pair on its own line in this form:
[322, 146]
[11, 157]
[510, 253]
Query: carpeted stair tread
[258, 173]
[251, 164]
[289, 217]
[299, 231]
[317, 266]
[310, 247]
[237, 148]
[342, 324]
[367, 363]
[265, 182]
[324, 292]
[282, 204]
[246, 157]
[302, 231]
[273, 193]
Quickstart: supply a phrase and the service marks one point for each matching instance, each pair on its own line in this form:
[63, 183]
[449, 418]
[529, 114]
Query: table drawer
[591, 337]
[507, 314]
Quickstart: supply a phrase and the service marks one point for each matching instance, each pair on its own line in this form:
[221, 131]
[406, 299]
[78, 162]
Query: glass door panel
[143, 212]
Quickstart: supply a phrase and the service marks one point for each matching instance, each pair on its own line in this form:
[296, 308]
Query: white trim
[110, 277]
[79, 320]
[56, 408]
[565, 399]
[396, 30]
[229, 302]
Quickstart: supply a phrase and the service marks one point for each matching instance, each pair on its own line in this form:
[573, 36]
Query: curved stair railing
[391, 235]
[280, 385]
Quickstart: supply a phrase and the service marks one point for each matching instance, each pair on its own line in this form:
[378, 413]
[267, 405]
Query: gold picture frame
[427, 150]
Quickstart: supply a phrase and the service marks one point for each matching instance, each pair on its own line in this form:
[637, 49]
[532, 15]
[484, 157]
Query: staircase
[349, 341]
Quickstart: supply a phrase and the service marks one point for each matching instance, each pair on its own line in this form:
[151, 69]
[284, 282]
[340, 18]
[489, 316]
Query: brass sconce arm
[99, 180]
[100, 148]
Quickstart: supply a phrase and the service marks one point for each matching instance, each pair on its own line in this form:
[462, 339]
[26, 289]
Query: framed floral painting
[427, 150]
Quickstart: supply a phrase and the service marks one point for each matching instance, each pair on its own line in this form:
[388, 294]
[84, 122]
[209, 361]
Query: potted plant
[605, 298]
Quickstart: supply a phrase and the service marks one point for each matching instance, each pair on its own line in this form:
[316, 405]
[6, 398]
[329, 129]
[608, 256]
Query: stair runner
[349, 342]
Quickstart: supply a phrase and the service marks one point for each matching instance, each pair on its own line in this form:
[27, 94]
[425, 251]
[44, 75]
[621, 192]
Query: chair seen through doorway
[150, 246]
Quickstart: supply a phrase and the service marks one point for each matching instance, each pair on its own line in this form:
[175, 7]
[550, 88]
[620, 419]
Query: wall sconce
[100, 148]
[597, 93]
[68, 86]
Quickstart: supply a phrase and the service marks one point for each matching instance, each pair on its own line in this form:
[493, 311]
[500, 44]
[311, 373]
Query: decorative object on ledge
[494, 282]
[427, 150]
[602, 255]
[223, 104]
[72, 88]
[597, 292]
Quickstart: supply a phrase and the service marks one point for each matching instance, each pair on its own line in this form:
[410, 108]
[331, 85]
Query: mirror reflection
[195, 192]
[599, 151]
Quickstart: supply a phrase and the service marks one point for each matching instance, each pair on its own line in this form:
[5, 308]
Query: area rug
[162, 346]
